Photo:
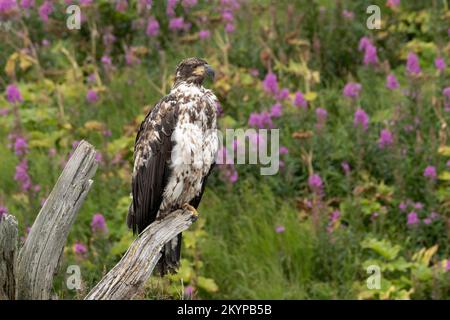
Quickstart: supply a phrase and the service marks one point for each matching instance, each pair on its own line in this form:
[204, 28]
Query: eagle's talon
[190, 208]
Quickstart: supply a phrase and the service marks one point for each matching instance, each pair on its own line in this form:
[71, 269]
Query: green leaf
[207, 284]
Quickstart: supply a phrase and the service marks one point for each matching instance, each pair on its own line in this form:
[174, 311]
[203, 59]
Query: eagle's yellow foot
[190, 208]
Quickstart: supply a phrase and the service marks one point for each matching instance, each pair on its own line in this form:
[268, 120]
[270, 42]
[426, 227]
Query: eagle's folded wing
[152, 152]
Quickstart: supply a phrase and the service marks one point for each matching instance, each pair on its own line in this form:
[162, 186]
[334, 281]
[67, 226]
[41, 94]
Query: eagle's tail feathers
[170, 258]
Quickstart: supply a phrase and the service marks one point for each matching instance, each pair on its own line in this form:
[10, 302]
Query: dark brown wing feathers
[153, 143]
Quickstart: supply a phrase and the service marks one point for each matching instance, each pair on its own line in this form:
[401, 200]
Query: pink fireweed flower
[280, 229]
[321, 116]
[276, 110]
[45, 10]
[446, 92]
[170, 8]
[352, 90]
[152, 27]
[412, 218]
[402, 206]
[363, 43]
[230, 28]
[370, 54]
[189, 291]
[91, 96]
[439, 63]
[98, 223]
[270, 83]
[418, 206]
[260, 120]
[385, 139]
[361, 119]
[7, 6]
[315, 183]
[3, 211]
[427, 221]
[430, 172]
[412, 63]
[283, 94]
[27, 4]
[106, 61]
[392, 3]
[346, 167]
[79, 249]
[391, 82]
[4, 112]
[13, 94]
[22, 176]
[204, 34]
[283, 150]
[176, 23]
[349, 15]
[121, 5]
[20, 146]
[299, 100]
[187, 4]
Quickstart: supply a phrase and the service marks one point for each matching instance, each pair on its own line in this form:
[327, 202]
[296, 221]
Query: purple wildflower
[152, 27]
[446, 92]
[349, 15]
[79, 249]
[392, 3]
[22, 176]
[91, 96]
[27, 4]
[299, 100]
[187, 4]
[413, 218]
[20, 146]
[370, 54]
[170, 8]
[391, 82]
[283, 94]
[439, 63]
[176, 23]
[352, 90]
[4, 112]
[346, 167]
[280, 229]
[270, 83]
[3, 211]
[6, 6]
[98, 223]
[121, 5]
[385, 139]
[430, 172]
[412, 63]
[13, 94]
[230, 28]
[315, 183]
[321, 116]
[106, 60]
[283, 150]
[45, 10]
[427, 220]
[204, 34]
[276, 110]
[361, 119]
[188, 291]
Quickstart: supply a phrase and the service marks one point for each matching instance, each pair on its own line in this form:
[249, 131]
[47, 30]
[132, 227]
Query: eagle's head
[193, 70]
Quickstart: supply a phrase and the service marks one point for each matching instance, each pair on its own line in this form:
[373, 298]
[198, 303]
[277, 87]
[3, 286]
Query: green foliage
[265, 237]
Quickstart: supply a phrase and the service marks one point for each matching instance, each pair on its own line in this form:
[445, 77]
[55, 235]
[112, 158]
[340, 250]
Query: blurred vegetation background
[364, 177]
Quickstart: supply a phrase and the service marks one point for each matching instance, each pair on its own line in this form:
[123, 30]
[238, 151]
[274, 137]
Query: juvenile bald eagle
[174, 153]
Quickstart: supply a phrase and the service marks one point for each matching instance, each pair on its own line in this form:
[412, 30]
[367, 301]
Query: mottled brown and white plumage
[174, 153]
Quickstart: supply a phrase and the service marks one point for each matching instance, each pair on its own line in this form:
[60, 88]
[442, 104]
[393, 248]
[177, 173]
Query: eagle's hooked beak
[209, 71]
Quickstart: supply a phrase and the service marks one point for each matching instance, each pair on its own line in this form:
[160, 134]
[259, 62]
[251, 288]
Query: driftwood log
[8, 249]
[129, 276]
[28, 273]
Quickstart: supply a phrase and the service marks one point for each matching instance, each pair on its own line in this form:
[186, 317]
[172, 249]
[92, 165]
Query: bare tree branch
[130, 275]
[8, 251]
[38, 259]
